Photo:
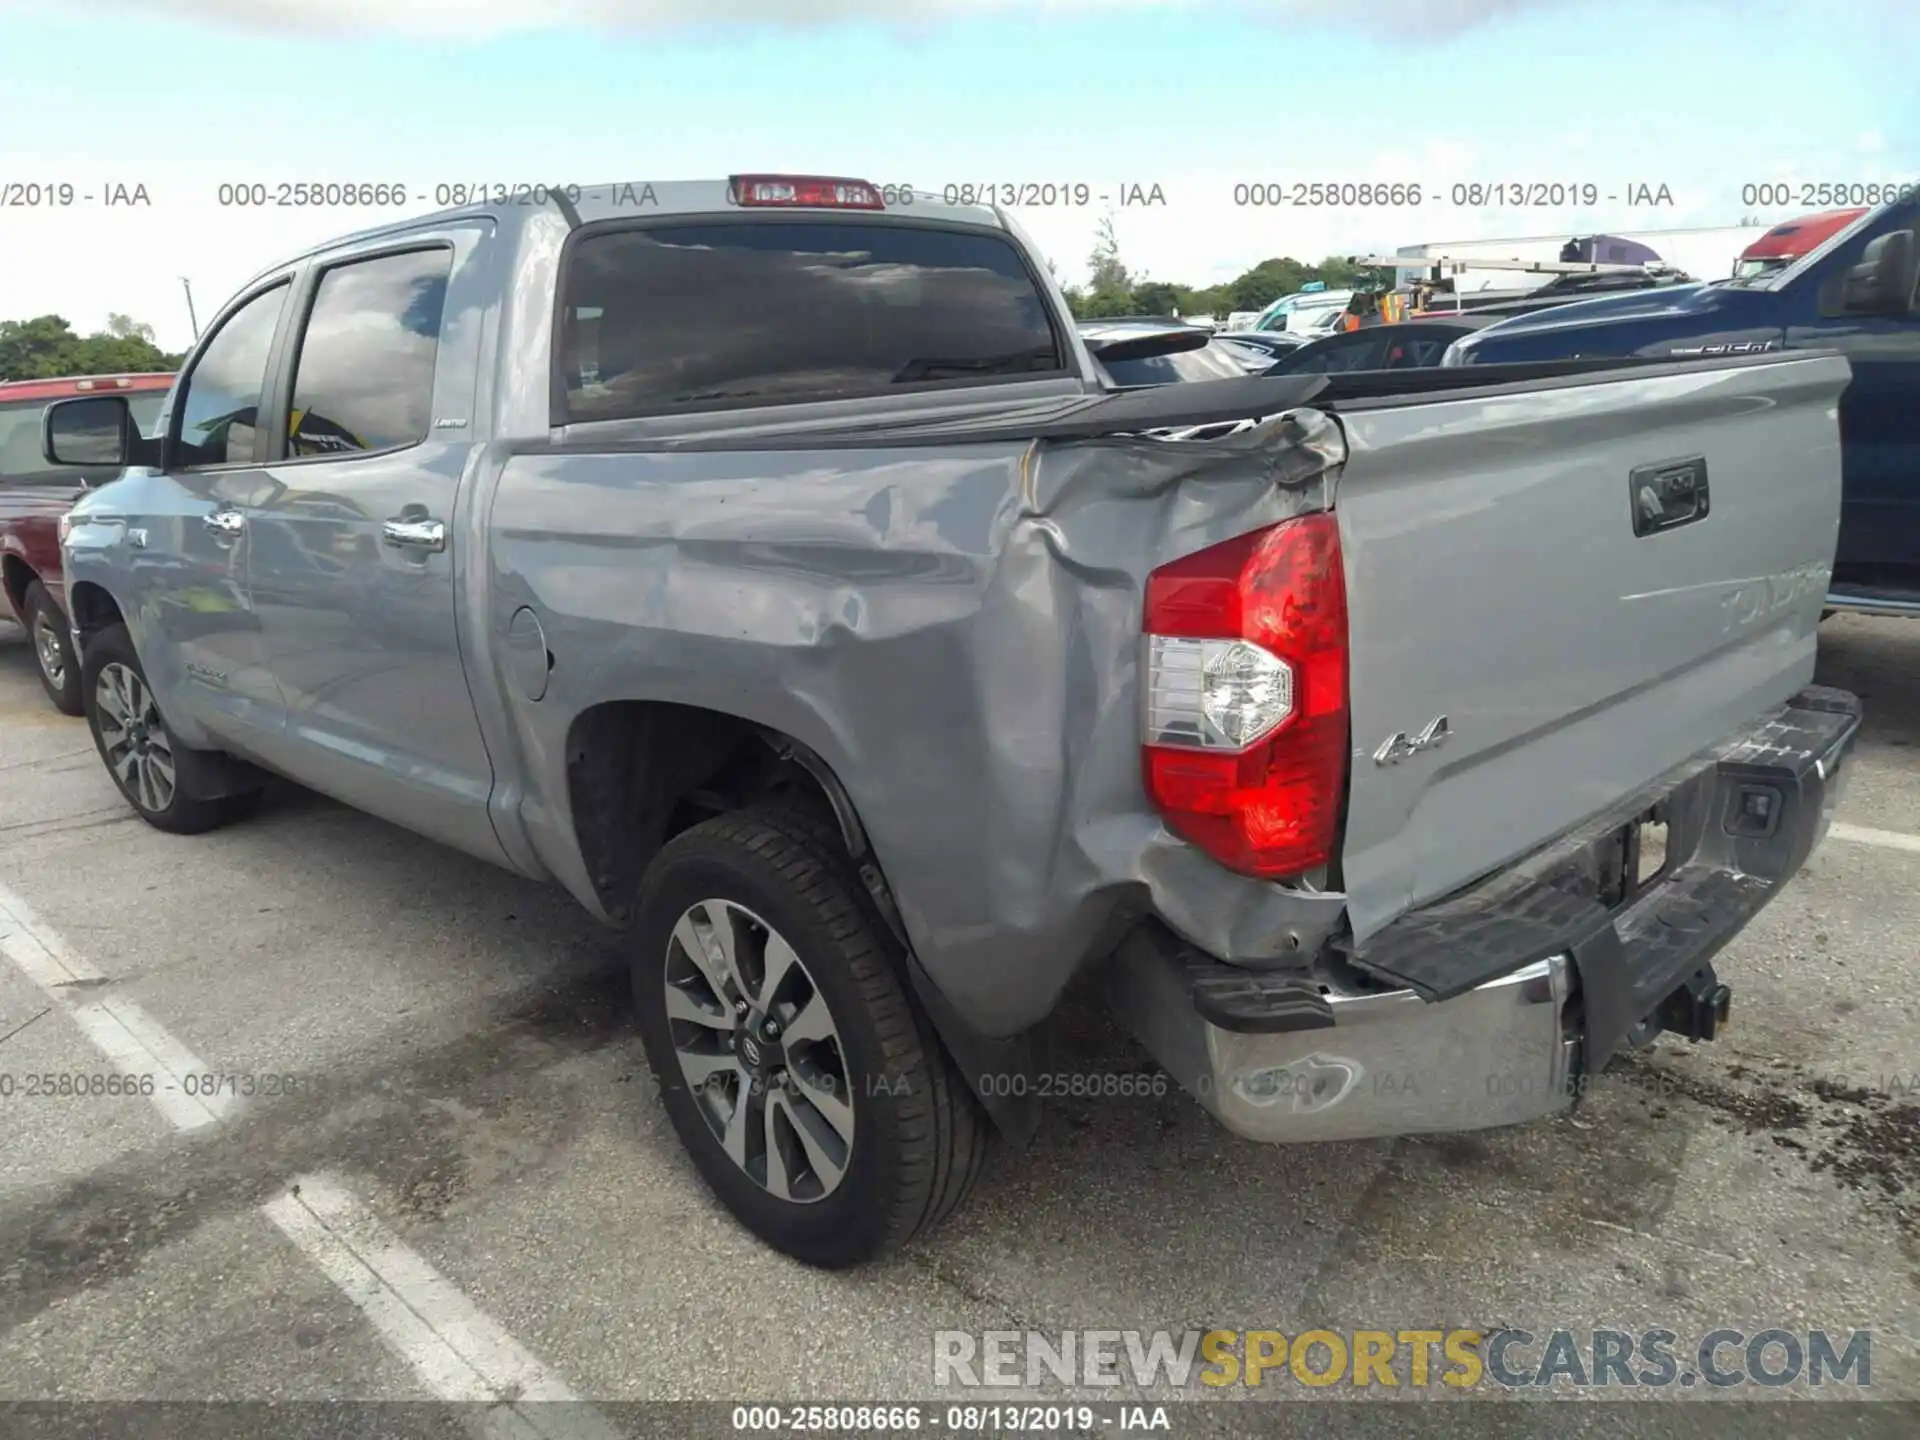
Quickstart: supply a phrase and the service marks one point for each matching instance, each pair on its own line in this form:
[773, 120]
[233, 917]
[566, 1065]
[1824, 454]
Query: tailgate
[1589, 581]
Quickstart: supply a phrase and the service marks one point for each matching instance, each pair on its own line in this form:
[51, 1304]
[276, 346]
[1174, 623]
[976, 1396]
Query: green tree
[1157, 297]
[46, 346]
[1109, 288]
[1265, 283]
[1107, 271]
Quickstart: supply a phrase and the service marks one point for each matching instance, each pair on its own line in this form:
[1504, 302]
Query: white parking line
[1886, 839]
[456, 1351]
[136, 1043]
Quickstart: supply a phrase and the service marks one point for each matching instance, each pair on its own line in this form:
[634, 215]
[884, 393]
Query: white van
[1291, 312]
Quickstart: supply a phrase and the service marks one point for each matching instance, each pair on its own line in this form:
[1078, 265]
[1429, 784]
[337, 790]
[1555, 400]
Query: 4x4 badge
[1400, 745]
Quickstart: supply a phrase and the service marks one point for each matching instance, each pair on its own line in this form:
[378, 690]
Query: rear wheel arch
[640, 773]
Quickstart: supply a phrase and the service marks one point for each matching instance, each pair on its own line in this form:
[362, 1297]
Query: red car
[33, 497]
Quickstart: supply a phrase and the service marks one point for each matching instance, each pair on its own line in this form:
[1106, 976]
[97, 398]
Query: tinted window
[1254, 357]
[363, 379]
[1336, 354]
[220, 404]
[1215, 362]
[20, 460]
[1410, 350]
[702, 315]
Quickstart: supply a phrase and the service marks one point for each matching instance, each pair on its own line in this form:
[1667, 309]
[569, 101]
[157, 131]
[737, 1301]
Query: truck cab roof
[1791, 240]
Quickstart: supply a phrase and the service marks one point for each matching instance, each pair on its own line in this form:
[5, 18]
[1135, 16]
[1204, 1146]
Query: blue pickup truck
[1856, 294]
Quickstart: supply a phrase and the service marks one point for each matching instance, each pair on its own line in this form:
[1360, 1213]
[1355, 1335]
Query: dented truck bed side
[946, 610]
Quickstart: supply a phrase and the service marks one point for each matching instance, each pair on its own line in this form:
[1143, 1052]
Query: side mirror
[1882, 283]
[92, 430]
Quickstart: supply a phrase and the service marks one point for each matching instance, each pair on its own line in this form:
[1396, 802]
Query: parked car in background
[1263, 347]
[1293, 312]
[1408, 345]
[34, 495]
[834, 628]
[1160, 350]
[1319, 319]
[1240, 320]
[1787, 242]
[1315, 297]
[1858, 293]
[1559, 291]
[1548, 297]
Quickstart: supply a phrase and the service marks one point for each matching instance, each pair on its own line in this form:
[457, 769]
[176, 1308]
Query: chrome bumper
[1457, 1017]
[1390, 1063]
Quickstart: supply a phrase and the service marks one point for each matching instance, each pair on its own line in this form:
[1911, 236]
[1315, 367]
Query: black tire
[920, 1138]
[52, 641]
[193, 805]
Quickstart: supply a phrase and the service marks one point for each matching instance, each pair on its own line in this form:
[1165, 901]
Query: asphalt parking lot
[466, 1088]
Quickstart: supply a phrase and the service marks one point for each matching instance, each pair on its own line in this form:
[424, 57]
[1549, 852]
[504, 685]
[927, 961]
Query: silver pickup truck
[764, 561]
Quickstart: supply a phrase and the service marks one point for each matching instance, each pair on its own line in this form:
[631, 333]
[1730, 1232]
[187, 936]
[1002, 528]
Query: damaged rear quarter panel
[954, 628]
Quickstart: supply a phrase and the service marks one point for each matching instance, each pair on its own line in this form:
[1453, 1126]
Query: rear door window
[709, 314]
[364, 376]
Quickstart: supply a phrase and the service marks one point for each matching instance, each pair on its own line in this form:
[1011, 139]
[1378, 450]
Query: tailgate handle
[1668, 495]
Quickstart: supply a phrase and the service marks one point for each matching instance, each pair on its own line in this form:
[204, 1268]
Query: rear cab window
[708, 314]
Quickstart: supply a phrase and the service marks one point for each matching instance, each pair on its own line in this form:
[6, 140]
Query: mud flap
[1001, 1072]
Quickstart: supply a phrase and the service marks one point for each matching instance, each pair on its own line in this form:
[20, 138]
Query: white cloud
[1405, 19]
[58, 259]
[88, 261]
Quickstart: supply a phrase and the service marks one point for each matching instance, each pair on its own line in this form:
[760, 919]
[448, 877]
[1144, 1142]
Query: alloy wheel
[759, 1050]
[133, 737]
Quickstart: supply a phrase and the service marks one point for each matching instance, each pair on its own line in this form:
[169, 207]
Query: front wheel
[153, 771]
[809, 1090]
[53, 650]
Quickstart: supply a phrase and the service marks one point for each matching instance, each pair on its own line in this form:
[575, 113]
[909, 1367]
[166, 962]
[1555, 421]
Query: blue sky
[1701, 97]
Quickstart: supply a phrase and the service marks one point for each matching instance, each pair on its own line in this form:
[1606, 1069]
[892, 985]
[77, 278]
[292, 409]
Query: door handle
[226, 523]
[415, 534]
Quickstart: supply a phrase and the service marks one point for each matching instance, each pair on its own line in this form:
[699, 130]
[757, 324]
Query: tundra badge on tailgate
[1400, 745]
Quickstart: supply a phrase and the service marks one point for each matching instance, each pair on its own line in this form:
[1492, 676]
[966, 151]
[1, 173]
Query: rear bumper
[1490, 1007]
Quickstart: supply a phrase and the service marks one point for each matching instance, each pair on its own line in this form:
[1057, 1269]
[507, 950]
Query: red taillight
[1245, 752]
[817, 191]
